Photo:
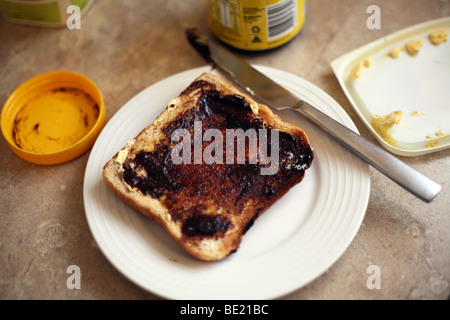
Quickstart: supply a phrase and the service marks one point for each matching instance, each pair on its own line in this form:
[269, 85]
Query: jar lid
[53, 118]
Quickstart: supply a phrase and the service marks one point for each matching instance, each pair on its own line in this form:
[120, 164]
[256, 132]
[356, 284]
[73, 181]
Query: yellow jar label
[256, 24]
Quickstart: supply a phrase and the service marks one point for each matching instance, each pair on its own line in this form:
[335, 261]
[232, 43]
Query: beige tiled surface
[125, 46]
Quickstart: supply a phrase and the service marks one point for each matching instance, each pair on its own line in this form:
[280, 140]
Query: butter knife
[275, 96]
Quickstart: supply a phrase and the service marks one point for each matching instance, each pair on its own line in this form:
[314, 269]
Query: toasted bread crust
[205, 208]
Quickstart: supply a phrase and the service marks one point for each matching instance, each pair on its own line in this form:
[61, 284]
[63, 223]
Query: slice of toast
[199, 172]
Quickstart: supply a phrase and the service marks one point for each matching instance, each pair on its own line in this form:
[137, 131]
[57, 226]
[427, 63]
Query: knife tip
[199, 42]
[193, 34]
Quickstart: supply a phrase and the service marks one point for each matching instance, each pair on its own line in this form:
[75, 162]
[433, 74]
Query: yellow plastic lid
[53, 118]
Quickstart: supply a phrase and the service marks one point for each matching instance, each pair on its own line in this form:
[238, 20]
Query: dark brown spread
[202, 196]
[205, 225]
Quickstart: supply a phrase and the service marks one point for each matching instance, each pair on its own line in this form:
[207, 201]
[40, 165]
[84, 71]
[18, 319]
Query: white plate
[419, 83]
[294, 242]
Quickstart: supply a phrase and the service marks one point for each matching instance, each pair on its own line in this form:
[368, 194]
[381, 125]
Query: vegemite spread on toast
[205, 197]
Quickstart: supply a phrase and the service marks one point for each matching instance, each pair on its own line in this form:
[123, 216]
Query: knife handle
[392, 167]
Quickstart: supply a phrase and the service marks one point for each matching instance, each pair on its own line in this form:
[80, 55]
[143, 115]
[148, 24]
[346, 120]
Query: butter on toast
[207, 205]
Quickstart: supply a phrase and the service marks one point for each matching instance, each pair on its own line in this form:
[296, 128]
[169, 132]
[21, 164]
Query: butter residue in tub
[367, 62]
[438, 37]
[416, 113]
[413, 47]
[395, 52]
[357, 70]
[440, 133]
[383, 124]
[432, 143]
[54, 120]
[434, 140]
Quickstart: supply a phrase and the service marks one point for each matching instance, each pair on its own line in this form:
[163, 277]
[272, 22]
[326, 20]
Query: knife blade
[275, 96]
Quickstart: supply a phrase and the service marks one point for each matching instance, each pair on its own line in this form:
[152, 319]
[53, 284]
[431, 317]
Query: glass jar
[256, 25]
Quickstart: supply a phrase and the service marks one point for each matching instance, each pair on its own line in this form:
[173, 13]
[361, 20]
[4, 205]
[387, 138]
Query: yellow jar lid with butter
[53, 118]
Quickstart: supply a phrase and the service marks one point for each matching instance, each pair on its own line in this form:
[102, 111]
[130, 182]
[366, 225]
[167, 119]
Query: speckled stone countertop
[126, 46]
